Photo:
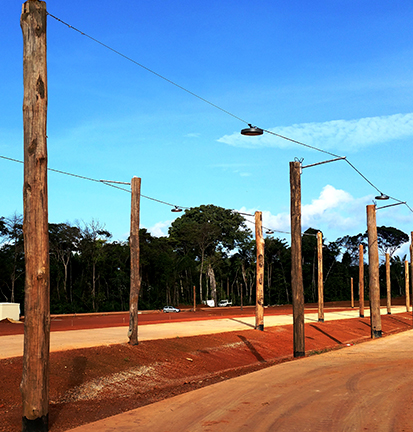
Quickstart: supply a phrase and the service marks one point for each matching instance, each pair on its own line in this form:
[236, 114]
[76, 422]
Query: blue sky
[333, 74]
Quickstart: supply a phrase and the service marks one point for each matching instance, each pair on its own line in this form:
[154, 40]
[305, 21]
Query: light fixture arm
[391, 205]
[324, 162]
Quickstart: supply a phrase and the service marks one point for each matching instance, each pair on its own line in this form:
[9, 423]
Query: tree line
[208, 247]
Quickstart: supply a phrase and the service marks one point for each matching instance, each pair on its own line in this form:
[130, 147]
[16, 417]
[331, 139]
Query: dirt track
[93, 383]
[363, 388]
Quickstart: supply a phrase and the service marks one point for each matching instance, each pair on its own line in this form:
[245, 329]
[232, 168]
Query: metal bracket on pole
[324, 162]
[390, 205]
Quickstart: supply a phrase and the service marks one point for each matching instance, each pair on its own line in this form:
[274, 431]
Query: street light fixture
[382, 196]
[252, 131]
[176, 209]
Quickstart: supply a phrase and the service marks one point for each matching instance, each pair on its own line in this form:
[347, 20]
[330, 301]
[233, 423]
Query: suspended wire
[303, 144]
[113, 183]
[270, 229]
[329, 153]
[105, 182]
[214, 105]
[146, 68]
[365, 178]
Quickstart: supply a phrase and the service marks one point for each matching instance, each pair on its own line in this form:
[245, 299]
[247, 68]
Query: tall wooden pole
[296, 258]
[411, 263]
[35, 377]
[352, 293]
[361, 281]
[388, 284]
[374, 284]
[194, 299]
[259, 303]
[407, 285]
[135, 280]
[320, 277]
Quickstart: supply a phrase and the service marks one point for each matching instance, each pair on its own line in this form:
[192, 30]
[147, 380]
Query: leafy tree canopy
[390, 239]
[209, 228]
[350, 245]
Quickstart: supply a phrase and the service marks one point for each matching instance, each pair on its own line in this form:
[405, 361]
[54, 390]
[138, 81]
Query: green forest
[208, 247]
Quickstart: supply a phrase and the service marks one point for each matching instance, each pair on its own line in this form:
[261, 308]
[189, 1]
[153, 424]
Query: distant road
[171, 327]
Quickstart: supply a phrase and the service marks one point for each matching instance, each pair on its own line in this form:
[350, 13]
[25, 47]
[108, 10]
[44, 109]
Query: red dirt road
[94, 383]
[120, 319]
[363, 388]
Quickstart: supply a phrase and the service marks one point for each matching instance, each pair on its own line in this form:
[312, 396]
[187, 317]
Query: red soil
[93, 383]
[119, 319]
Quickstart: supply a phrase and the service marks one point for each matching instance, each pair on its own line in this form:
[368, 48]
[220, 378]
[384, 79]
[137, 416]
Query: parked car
[171, 309]
[224, 303]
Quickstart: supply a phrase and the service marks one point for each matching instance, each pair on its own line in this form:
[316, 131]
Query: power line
[113, 183]
[146, 68]
[211, 103]
[270, 229]
[105, 182]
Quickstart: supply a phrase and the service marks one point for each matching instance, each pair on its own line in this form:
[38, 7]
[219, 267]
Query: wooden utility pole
[296, 260]
[320, 277]
[259, 303]
[411, 263]
[407, 285]
[374, 284]
[361, 281]
[352, 293]
[35, 377]
[388, 284]
[194, 299]
[135, 280]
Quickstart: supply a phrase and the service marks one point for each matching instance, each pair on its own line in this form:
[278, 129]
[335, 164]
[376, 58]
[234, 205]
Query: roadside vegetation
[208, 247]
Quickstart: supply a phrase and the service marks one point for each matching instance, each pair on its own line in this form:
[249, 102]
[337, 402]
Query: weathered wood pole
[388, 284]
[407, 285]
[411, 264]
[361, 280]
[259, 303]
[320, 277]
[242, 304]
[135, 280]
[35, 377]
[352, 293]
[296, 261]
[194, 298]
[374, 284]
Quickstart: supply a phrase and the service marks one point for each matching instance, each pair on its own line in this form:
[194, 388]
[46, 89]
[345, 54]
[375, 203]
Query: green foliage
[207, 247]
[390, 239]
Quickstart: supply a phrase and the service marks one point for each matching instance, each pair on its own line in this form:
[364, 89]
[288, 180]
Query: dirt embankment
[90, 384]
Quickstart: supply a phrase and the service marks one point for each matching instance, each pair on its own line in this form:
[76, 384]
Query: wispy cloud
[342, 135]
[193, 135]
[236, 168]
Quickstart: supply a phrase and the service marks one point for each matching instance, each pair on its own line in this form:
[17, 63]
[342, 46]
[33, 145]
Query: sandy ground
[89, 384]
[168, 326]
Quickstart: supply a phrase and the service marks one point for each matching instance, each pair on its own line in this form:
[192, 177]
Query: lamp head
[252, 131]
[382, 196]
[176, 209]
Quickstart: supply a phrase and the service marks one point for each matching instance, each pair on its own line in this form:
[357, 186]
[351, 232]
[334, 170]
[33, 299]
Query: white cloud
[337, 134]
[160, 229]
[335, 212]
